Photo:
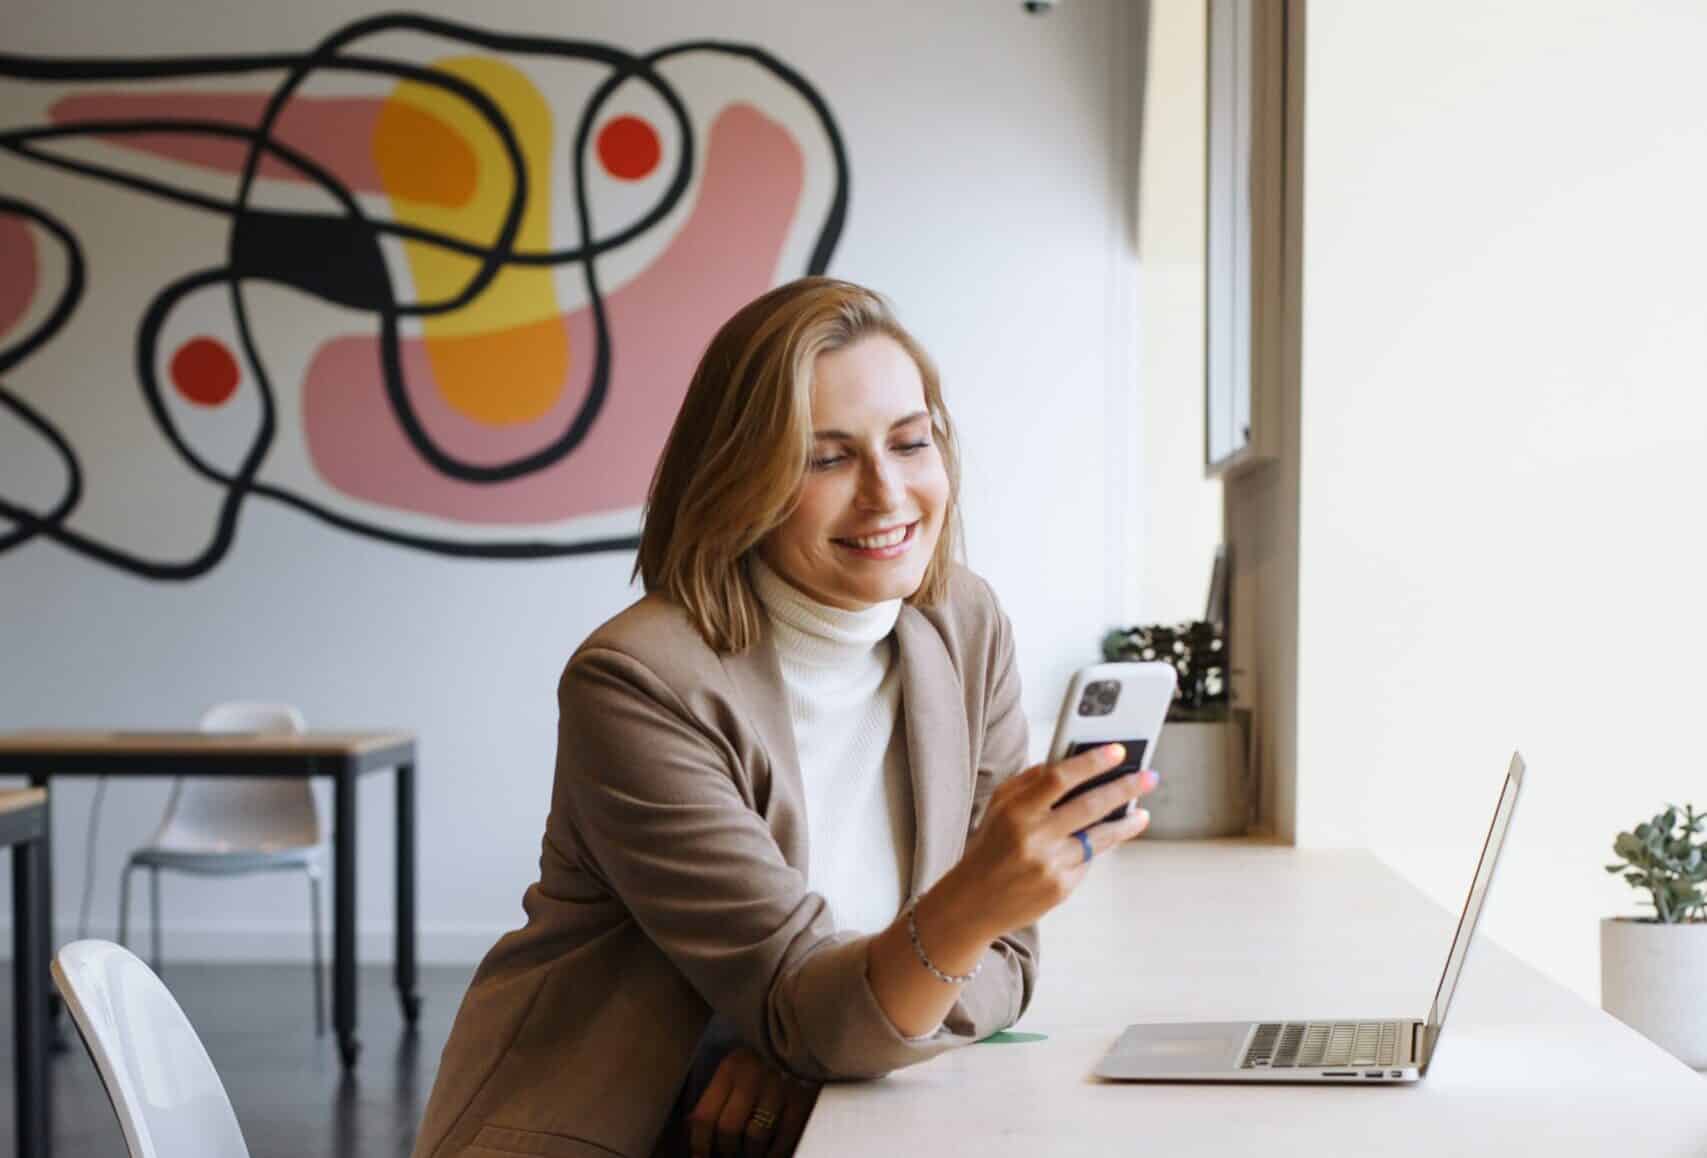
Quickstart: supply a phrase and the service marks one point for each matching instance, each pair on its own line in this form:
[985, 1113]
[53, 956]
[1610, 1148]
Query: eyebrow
[844, 436]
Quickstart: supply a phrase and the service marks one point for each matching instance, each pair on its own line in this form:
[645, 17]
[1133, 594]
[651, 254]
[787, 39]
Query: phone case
[1134, 719]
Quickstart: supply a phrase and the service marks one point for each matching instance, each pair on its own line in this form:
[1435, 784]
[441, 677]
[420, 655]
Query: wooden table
[339, 756]
[23, 826]
[1232, 930]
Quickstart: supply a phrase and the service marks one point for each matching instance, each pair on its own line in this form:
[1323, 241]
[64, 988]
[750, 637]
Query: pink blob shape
[20, 270]
[725, 255]
[336, 132]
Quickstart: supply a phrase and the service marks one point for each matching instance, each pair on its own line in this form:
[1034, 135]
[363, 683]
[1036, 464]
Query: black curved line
[36, 524]
[325, 56]
[598, 386]
[69, 296]
[147, 345]
[147, 349]
[21, 142]
[834, 222]
[490, 260]
[518, 44]
[391, 357]
[116, 177]
[63, 68]
[388, 313]
[452, 547]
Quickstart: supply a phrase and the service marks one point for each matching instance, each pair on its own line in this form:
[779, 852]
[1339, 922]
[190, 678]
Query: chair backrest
[248, 814]
[168, 1097]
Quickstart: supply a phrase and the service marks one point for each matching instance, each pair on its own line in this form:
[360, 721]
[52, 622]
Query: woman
[789, 834]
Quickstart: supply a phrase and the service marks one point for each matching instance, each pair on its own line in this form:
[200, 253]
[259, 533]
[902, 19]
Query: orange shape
[421, 158]
[629, 148]
[502, 376]
[204, 372]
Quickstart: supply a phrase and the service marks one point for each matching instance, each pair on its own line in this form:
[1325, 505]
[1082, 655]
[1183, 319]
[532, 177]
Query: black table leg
[30, 949]
[344, 914]
[55, 1007]
[407, 993]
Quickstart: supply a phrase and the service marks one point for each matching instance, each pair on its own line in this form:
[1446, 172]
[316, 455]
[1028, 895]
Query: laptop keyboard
[1299, 1045]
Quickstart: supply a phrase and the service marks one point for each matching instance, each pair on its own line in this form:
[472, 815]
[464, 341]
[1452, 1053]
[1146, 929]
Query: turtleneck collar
[814, 633]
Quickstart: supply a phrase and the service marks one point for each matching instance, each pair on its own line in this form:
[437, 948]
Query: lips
[882, 540]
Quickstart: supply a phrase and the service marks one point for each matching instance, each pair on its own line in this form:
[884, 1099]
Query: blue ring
[1085, 843]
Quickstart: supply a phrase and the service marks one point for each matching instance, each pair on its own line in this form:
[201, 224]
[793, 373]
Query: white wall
[1183, 517]
[990, 198]
[1504, 420]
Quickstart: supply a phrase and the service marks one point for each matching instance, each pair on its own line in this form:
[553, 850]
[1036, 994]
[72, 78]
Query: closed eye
[828, 461]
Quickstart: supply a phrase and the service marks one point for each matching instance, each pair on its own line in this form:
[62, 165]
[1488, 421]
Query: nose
[879, 485]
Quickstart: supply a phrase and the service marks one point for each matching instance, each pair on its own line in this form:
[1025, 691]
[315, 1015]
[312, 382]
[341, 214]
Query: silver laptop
[1320, 1049]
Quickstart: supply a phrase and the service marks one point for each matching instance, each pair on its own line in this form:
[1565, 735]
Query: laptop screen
[1478, 893]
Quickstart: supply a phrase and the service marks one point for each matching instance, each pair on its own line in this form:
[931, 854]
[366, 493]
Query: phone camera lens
[1099, 698]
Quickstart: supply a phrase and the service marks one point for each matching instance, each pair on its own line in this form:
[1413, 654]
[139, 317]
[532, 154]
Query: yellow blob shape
[502, 357]
[420, 158]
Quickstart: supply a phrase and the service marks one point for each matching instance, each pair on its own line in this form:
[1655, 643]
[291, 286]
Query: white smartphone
[1109, 702]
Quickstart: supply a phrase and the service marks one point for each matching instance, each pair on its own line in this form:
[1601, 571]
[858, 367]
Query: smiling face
[876, 492]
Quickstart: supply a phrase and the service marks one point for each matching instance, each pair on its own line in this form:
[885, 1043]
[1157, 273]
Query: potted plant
[1201, 753]
[1653, 970]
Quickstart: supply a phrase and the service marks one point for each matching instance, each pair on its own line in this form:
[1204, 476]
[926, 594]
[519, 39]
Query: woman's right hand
[1023, 859]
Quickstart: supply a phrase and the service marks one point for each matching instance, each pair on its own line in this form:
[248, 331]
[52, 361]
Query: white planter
[1203, 789]
[1653, 978]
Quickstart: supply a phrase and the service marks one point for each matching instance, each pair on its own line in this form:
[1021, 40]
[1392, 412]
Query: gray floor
[292, 1097]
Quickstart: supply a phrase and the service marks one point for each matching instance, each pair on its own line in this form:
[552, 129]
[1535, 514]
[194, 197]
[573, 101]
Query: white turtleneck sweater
[844, 699]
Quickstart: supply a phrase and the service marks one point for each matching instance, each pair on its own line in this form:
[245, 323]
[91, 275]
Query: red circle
[629, 148]
[204, 371]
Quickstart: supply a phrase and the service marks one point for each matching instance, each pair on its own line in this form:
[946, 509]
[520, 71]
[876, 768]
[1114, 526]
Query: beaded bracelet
[913, 932]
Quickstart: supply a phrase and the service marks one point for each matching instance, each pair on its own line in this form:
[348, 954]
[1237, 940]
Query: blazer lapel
[939, 751]
[757, 676]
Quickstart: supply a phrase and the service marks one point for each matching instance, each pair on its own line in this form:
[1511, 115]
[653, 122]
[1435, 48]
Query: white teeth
[878, 542]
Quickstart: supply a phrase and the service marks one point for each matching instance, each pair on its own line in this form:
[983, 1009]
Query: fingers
[1084, 811]
[702, 1122]
[1103, 837]
[796, 1110]
[737, 1110]
[1047, 783]
[761, 1125]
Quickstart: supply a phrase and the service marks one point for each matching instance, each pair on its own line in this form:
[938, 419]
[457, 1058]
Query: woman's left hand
[751, 1109]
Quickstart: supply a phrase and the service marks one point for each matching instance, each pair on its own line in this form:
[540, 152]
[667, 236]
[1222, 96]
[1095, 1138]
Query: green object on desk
[1007, 1037]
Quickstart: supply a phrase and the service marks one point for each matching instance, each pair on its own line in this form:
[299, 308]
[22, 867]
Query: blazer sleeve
[1000, 993]
[647, 794]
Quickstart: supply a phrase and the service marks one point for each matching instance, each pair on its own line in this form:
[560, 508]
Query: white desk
[1229, 930]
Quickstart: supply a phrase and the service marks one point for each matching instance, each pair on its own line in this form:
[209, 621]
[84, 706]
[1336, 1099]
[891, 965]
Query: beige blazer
[673, 883]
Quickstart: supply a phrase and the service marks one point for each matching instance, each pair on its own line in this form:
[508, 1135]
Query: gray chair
[228, 827]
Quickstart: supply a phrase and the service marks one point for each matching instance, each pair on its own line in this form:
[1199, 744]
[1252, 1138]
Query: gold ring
[764, 1119]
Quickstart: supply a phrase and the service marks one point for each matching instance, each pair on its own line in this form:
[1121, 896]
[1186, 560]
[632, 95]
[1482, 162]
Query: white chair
[164, 1089]
[223, 827]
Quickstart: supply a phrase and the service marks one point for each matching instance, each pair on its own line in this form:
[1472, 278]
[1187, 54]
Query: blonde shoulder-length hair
[738, 453]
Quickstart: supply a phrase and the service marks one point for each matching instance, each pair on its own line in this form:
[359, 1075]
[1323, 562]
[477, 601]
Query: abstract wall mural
[428, 283]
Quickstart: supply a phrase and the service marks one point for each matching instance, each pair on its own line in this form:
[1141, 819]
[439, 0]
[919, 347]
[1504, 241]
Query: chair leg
[124, 904]
[319, 983]
[154, 904]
